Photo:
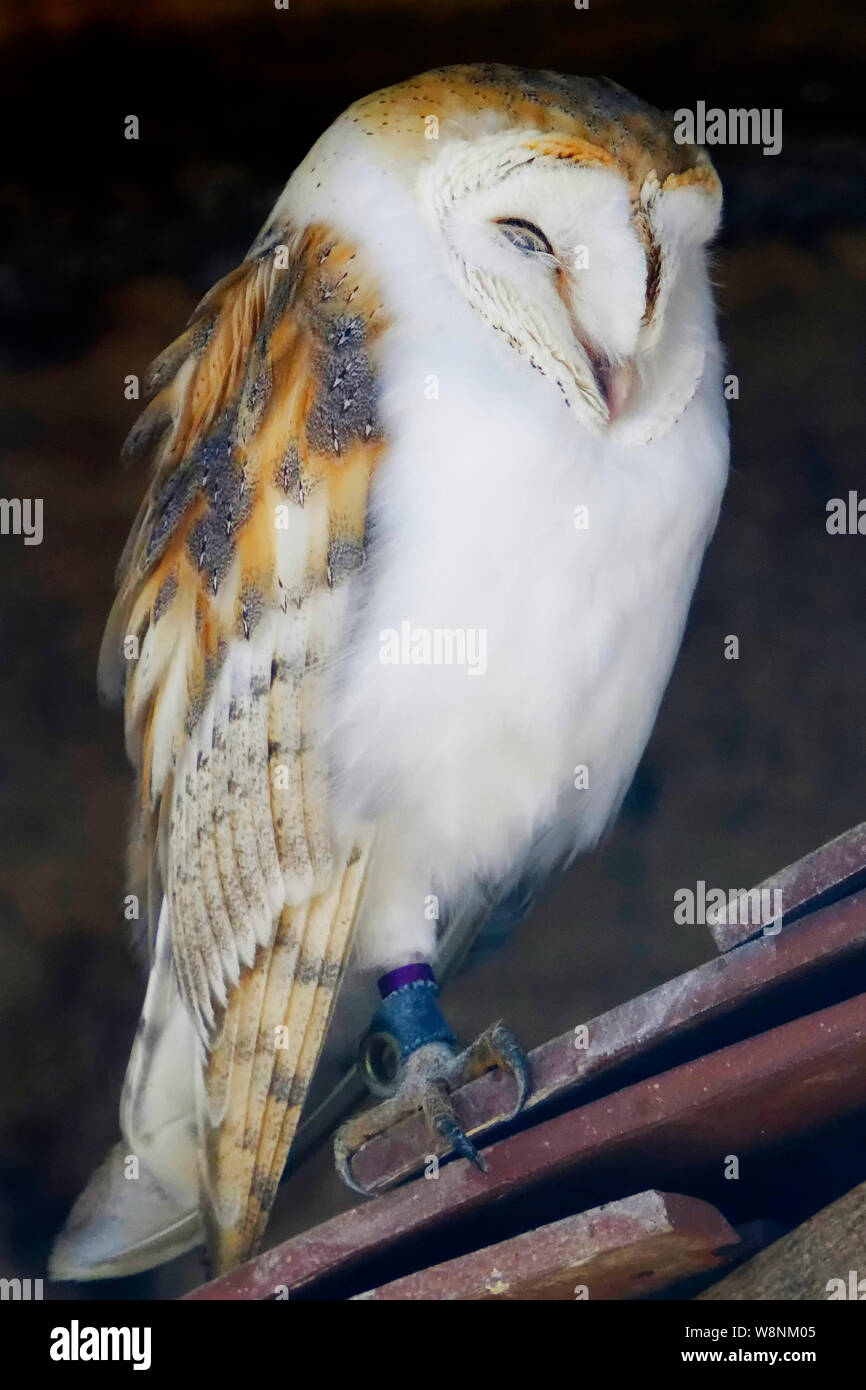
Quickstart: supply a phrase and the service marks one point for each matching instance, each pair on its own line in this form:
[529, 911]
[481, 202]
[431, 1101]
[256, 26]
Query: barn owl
[432, 475]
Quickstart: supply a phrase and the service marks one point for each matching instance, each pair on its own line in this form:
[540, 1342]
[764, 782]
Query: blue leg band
[411, 1014]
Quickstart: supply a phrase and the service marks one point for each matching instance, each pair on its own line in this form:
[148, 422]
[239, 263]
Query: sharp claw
[448, 1128]
[440, 1116]
[343, 1165]
[511, 1056]
[497, 1047]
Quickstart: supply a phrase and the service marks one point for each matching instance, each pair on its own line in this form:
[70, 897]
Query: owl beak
[618, 390]
[614, 381]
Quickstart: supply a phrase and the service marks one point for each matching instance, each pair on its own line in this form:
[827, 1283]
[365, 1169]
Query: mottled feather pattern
[246, 642]
[262, 435]
[259, 1105]
[586, 120]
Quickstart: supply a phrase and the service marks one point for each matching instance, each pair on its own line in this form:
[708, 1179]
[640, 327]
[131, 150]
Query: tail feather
[290, 1087]
[119, 1227]
[280, 1012]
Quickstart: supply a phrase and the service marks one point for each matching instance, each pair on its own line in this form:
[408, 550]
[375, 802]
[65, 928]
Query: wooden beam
[826, 875]
[622, 1250]
[762, 1090]
[824, 1257]
[674, 1010]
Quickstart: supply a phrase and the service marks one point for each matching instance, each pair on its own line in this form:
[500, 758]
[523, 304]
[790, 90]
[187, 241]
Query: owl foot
[410, 1057]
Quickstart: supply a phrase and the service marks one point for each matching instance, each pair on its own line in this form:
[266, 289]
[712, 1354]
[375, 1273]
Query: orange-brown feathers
[589, 119]
[262, 436]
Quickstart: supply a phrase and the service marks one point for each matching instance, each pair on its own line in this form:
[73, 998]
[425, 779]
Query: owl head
[565, 213]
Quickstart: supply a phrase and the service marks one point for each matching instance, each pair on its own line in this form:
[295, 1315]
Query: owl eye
[525, 236]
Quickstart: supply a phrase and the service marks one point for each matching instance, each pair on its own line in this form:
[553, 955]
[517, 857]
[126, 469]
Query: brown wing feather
[263, 436]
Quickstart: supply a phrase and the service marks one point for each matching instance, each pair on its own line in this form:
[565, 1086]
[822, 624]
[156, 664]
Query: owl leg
[410, 1056]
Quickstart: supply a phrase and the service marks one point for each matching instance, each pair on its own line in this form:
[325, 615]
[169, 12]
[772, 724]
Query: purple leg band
[404, 975]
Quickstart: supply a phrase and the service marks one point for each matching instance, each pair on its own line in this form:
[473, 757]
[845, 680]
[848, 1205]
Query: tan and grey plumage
[264, 404]
[291, 789]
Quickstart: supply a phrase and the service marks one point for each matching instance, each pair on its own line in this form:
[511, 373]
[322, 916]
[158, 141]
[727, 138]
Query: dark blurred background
[106, 247]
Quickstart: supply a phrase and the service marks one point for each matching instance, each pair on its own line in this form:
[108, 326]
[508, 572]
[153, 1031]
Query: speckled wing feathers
[263, 435]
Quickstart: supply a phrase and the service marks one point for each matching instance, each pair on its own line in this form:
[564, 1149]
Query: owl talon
[343, 1165]
[497, 1047]
[359, 1129]
[429, 1076]
[439, 1114]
